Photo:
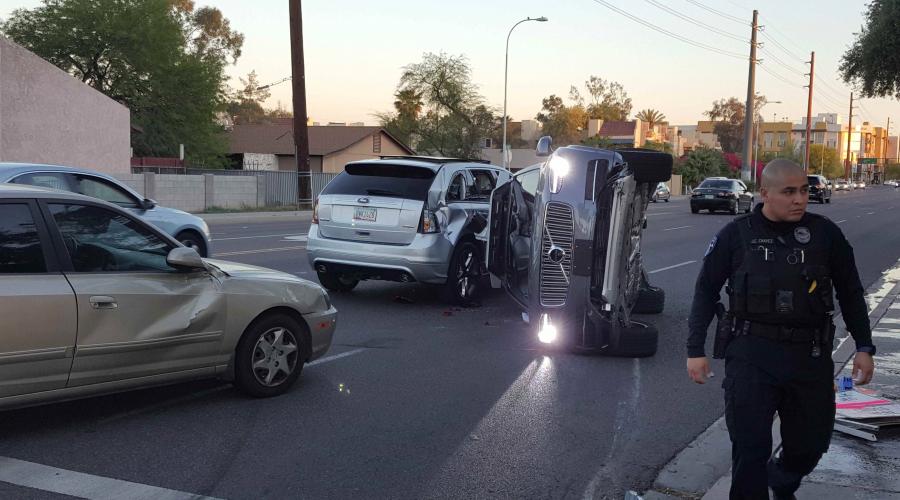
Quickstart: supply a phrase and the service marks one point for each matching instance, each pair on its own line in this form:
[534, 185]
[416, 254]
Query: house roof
[617, 128]
[277, 137]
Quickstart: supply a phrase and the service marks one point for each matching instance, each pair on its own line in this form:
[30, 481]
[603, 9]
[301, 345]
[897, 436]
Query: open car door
[510, 229]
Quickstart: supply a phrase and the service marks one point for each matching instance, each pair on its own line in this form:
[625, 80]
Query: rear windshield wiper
[382, 192]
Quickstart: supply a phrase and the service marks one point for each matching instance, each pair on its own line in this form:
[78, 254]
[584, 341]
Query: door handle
[103, 302]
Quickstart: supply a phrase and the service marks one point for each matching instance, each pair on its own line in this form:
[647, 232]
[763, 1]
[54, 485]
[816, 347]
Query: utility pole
[301, 134]
[812, 72]
[750, 108]
[849, 139]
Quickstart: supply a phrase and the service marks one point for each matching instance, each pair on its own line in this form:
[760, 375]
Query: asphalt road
[429, 401]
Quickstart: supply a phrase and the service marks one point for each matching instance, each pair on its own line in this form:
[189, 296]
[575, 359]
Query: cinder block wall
[184, 192]
[196, 193]
[134, 181]
[235, 192]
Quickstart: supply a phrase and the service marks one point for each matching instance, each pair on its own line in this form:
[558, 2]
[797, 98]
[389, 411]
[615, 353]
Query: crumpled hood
[238, 270]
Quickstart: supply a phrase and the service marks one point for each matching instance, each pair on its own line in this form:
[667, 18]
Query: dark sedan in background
[729, 195]
[819, 189]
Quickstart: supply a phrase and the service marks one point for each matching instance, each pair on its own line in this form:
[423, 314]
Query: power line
[783, 64]
[782, 47]
[778, 76]
[669, 33]
[719, 13]
[786, 38]
[697, 23]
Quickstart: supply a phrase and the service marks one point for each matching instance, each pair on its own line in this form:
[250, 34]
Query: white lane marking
[659, 213]
[679, 227]
[299, 237]
[871, 213]
[336, 356]
[671, 267]
[260, 236]
[79, 484]
[264, 250]
[841, 221]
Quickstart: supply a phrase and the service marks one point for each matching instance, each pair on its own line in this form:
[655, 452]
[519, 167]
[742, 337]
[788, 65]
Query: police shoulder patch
[712, 245]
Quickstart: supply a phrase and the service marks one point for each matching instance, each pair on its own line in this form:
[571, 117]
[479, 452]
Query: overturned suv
[564, 240]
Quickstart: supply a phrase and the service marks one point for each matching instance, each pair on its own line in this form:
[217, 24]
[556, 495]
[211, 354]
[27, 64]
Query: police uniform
[781, 280]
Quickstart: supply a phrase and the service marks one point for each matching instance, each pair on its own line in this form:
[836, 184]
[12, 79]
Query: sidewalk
[853, 468]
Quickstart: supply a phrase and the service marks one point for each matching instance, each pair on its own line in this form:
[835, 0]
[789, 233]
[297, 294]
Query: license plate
[708, 196]
[365, 214]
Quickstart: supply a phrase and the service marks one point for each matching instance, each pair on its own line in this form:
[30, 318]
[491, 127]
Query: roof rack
[434, 159]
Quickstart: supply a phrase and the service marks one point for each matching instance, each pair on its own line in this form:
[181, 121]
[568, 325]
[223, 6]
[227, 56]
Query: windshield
[381, 179]
[814, 181]
[718, 184]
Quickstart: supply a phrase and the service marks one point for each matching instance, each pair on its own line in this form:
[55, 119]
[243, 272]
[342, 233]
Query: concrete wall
[519, 158]
[260, 161]
[134, 181]
[185, 192]
[233, 192]
[47, 116]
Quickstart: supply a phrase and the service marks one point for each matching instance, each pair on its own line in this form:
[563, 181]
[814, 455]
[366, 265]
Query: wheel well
[199, 236]
[287, 311]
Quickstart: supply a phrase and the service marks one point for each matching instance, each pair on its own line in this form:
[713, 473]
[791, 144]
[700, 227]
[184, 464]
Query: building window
[768, 139]
[782, 139]
[488, 143]
[376, 143]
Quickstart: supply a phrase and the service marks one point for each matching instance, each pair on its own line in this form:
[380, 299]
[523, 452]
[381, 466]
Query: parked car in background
[190, 230]
[842, 186]
[564, 241]
[96, 300]
[717, 193]
[405, 219]
[662, 193]
[819, 188]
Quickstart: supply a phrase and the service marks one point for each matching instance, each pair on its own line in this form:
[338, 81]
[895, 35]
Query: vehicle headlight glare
[547, 333]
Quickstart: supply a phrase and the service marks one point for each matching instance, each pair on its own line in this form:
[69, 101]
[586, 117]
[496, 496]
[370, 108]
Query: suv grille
[556, 268]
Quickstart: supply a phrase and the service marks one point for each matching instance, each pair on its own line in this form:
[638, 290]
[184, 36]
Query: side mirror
[543, 146]
[185, 258]
[148, 204]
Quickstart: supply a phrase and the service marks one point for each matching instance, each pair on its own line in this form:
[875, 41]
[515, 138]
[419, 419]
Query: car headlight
[559, 168]
[547, 333]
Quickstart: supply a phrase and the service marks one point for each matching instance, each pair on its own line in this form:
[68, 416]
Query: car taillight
[429, 223]
[315, 216]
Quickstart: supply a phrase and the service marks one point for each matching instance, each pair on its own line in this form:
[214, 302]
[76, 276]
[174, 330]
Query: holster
[724, 331]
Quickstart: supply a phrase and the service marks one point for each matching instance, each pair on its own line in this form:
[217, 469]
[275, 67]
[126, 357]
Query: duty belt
[778, 333]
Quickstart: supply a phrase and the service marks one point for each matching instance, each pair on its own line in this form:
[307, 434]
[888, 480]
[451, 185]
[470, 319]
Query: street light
[541, 19]
[756, 146]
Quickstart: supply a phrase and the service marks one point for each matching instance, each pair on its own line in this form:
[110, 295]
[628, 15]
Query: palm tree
[408, 104]
[651, 116]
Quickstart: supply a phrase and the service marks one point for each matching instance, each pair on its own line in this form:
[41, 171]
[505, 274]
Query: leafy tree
[789, 151]
[455, 119]
[651, 116]
[608, 99]
[163, 59]
[891, 171]
[871, 63]
[825, 161]
[665, 147]
[700, 164]
[564, 123]
[245, 105]
[728, 115]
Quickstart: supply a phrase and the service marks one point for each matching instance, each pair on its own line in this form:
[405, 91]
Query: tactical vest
[783, 279]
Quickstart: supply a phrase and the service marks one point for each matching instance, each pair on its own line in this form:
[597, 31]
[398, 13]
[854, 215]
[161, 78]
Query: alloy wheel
[274, 356]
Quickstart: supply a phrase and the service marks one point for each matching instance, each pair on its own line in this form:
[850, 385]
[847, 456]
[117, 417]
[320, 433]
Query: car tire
[667, 200]
[464, 278]
[695, 210]
[334, 282]
[191, 239]
[650, 300]
[734, 209]
[828, 200]
[638, 340]
[274, 345]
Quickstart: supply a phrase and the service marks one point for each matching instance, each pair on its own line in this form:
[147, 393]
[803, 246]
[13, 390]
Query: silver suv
[405, 219]
[564, 240]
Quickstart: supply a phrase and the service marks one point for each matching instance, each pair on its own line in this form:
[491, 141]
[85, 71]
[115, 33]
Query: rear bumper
[713, 204]
[426, 259]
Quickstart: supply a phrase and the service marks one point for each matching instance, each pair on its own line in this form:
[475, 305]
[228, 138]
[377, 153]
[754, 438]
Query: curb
[701, 470]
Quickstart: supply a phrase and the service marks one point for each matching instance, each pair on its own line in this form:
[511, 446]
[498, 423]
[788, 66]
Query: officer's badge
[801, 234]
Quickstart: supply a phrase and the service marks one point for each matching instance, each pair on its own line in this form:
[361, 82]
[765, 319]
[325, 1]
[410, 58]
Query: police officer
[782, 265]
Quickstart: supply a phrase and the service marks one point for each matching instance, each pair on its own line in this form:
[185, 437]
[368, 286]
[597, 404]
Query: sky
[355, 52]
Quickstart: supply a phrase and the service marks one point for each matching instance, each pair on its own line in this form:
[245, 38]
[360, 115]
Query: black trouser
[763, 377]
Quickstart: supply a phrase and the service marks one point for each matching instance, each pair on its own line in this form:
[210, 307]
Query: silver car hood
[238, 270]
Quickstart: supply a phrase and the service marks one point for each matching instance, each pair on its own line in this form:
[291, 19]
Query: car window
[51, 180]
[455, 190]
[382, 179]
[99, 239]
[482, 185]
[104, 190]
[717, 184]
[529, 180]
[20, 245]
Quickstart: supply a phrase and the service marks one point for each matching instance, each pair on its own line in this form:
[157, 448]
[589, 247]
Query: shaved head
[785, 191]
[777, 171]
